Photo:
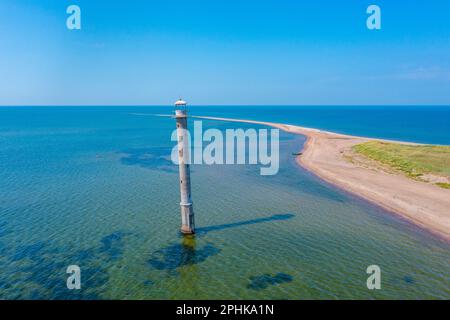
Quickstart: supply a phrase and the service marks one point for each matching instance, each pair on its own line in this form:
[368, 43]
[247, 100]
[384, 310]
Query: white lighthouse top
[180, 102]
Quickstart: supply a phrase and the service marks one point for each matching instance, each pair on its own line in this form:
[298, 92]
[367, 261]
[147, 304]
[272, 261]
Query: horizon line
[226, 105]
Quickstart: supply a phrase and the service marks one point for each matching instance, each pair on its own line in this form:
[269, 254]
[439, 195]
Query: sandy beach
[329, 156]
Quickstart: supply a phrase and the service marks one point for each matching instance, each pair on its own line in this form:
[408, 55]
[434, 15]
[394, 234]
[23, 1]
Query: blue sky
[224, 52]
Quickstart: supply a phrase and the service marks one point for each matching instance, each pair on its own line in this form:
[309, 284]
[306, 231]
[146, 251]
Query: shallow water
[94, 187]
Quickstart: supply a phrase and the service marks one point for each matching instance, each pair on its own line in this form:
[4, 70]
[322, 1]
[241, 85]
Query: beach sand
[329, 156]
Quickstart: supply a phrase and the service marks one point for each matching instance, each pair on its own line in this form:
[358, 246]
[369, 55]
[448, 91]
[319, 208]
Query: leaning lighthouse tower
[187, 212]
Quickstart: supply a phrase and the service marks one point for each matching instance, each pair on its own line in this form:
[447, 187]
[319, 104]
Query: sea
[95, 187]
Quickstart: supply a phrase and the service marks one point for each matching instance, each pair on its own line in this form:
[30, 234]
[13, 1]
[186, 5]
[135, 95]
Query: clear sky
[224, 52]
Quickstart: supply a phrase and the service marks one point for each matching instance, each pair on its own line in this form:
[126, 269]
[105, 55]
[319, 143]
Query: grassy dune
[413, 160]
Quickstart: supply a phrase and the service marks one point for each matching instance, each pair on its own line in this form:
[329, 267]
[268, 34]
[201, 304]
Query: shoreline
[324, 154]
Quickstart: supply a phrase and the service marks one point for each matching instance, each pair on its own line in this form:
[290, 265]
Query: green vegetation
[413, 160]
[443, 185]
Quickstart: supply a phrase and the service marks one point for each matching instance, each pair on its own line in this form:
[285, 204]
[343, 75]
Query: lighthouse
[187, 212]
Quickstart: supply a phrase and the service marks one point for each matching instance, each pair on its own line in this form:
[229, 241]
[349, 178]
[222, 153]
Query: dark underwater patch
[149, 282]
[263, 281]
[112, 245]
[150, 158]
[408, 279]
[178, 255]
[3, 229]
[40, 271]
[32, 252]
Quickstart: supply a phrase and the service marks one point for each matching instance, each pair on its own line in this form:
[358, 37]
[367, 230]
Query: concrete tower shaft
[187, 211]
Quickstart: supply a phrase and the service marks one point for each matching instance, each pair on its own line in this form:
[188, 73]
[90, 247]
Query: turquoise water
[94, 187]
